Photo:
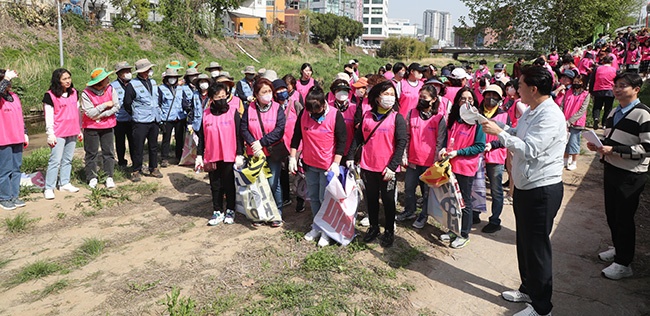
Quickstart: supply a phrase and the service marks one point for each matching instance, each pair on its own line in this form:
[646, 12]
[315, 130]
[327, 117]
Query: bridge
[455, 51]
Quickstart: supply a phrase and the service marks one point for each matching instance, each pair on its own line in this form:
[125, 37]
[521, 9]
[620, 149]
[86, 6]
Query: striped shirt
[630, 139]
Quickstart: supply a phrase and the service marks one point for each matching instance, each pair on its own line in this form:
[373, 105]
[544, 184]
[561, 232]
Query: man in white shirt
[538, 144]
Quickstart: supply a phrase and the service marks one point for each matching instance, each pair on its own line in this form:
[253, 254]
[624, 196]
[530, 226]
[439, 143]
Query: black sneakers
[387, 239]
[371, 234]
[491, 228]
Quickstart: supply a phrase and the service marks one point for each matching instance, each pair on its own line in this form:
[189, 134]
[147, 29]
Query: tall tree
[545, 23]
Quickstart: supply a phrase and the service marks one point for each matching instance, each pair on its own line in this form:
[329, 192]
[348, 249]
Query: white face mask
[215, 73]
[401, 73]
[150, 73]
[511, 91]
[265, 99]
[204, 85]
[172, 81]
[481, 67]
[418, 76]
[498, 75]
[342, 96]
[359, 93]
[128, 76]
[387, 101]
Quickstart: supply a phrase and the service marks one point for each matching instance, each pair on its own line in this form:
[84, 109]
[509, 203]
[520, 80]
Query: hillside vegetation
[33, 52]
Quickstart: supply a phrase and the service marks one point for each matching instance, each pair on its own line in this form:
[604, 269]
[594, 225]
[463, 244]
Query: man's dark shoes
[371, 234]
[387, 239]
[491, 228]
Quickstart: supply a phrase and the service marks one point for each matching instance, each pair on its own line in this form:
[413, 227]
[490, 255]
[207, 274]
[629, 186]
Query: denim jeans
[93, 140]
[274, 182]
[494, 173]
[60, 162]
[11, 157]
[465, 184]
[316, 183]
[411, 182]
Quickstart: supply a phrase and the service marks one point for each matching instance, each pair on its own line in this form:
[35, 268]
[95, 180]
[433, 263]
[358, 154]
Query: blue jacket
[121, 115]
[172, 102]
[145, 106]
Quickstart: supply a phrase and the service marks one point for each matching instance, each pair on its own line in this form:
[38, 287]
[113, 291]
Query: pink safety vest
[66, 115]
[220, 134]
[553, 59]
[235, 102]
[584, 67]
[103, 123]
[463, 136]
[424, 138]
[512, 113]
[389, 75]
[633, 57]
[11, 121]
[478, 94]
[444, 106]
[451, 93]
[408, 100]
[291, 118]
[269, 118]
[304, 89]
[604, 78]
[572, 104]
[645, 53]
[379, 149]
[496, 156]
[560, 97]
[348, 117]
[318, 139]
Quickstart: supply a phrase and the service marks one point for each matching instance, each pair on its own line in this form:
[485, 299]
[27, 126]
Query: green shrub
[36, 160]
[19, 223]
[35, 270]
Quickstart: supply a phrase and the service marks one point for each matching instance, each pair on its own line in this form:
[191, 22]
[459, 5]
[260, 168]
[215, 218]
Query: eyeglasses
[621, 86]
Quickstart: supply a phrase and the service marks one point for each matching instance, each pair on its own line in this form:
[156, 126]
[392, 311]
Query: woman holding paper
[464, 144]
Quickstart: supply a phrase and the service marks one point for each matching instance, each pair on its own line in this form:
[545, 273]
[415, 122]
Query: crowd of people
[401, 119]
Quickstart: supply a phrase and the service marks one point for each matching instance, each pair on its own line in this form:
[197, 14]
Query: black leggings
[222, 180]
[599, 102]
[375, 187]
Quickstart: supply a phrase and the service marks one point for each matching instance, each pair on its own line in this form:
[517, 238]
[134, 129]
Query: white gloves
[293, 165]
[349, 164]
[388, 174]
[26, 143]
[442, 154]
[452, 154]
[239, 162]
[10, 74]
[250, 99]
[51, 140]
[405, 159]
[190, 129]
[198, 163]
[257, 148]
[334, 168]
[488, 146]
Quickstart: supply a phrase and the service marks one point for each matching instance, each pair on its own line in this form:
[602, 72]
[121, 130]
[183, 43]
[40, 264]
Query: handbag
[358, 150]
[278, 151]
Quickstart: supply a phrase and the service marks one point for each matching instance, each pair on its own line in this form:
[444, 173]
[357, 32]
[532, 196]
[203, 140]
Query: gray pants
[93, 139]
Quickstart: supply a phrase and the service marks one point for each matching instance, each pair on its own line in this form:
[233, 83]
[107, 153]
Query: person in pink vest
[63, 129]
[515, 109]
[291, 82]
[348, 109]
[306, 81]
[399, 71]
[99, 104]
[480, 87]
[427, 131]
[553, 58]
[262, 127]
[321, 131]
[575, 106]
[566, 79]
[603, 89]
[221, 147]
[291, 109]
[360, 97]
[483, 70]
[381, 155]
[633, 58]
[441, 89]
[410, 88]
[13, 140]
[585, 67]
[389, 71]
[644, 69]
[457, 81]
[495, 154]
[232, 99]
[463, 145]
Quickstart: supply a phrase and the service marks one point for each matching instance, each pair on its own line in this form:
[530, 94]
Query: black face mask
[492, 102]
[577, 86]
[219, 106]
[423, 105]
[317, 116]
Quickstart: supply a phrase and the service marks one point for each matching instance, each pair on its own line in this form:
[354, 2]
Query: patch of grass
[404, 257]
[137, 287]
[103, 197]
[221, 304]
[186, 227]
[25, 191]
[369, 281]
[54, 288]
[325, 259]
[19, 223]
[36, 160]
[35, 270]
[4, 262]
[288, 294]
[89, 250]
[293, 235]
[144, 188]
[179, 305]
[88, 213]
[60, 215]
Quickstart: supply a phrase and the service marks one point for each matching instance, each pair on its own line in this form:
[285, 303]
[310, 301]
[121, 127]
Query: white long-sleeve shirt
[538, 143]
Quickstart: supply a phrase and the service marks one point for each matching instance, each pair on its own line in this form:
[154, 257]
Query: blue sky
[412, 9]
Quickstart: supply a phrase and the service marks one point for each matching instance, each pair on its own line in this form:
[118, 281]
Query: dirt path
[158, 241]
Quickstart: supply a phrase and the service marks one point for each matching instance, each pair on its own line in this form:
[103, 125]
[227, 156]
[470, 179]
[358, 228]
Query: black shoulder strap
[365, 141]
[259, 117]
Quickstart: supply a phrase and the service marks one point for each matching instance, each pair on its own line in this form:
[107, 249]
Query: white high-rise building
[437, 25]
[402, 28]
[375, 22]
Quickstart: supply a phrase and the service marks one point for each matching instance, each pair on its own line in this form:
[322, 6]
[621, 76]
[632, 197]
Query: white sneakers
[110, 183]
[217, 217]
[365, 222]
[312, 234]
[69, 188]
[529, 311]
[324, 240]
[516, 296]
[459, 242]
[48, 194]
[93, 183]
[607, 255]
[617, 271]
[572, 166]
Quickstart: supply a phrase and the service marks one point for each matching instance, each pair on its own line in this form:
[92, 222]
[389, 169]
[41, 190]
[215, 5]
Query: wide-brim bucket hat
[143, 65]
[97, 75]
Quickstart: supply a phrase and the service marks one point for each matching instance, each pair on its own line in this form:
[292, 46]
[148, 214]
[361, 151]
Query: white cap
[342, 75]
[351, 61]
[460, 73]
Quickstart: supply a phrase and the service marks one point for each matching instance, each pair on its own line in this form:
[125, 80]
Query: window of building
[377, 1]
[375, 10]
[366, 1]
[375, 31]
[270, 3]
[365, 20]
[365, 30]
[366, 10]
[375, 21]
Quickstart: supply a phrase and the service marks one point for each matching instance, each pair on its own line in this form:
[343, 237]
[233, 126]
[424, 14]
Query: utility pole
[58, 12]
